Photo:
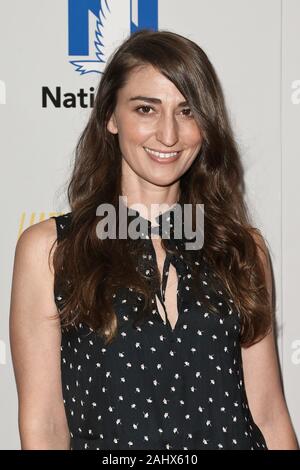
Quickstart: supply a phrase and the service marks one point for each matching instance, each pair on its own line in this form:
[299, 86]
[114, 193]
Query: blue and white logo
[97, 27]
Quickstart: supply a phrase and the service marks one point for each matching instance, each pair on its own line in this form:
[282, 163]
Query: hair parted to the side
[96, 268]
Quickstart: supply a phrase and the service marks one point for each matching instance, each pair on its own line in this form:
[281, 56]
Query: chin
[161, 181]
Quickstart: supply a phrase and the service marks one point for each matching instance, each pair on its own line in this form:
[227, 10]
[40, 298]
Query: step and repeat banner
[52, 55]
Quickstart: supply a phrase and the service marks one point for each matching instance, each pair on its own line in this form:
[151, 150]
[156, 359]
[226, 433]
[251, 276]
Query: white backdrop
[254, 46]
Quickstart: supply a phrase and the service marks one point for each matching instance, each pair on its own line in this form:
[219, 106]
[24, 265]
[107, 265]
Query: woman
[155, 346]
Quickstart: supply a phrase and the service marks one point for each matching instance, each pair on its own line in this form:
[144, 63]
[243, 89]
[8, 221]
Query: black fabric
[155, 387]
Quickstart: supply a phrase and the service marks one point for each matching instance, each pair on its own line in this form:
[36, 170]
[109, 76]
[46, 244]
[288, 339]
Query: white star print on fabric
[154, 386]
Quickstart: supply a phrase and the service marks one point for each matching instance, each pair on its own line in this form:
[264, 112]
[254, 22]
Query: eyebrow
[153, 100]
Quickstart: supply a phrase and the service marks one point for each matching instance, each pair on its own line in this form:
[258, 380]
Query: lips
[161, 151]
[162, 157]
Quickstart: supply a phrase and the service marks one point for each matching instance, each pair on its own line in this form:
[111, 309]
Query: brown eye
[188, 115]
[143, 107]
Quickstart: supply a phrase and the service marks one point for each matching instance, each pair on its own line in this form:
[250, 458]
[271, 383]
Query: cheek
[193, 135]
[134, 132]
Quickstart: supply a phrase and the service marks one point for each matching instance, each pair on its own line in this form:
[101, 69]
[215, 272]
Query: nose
[167, 130]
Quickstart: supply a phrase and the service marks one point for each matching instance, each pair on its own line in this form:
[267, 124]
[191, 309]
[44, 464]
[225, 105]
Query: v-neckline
[160, 292]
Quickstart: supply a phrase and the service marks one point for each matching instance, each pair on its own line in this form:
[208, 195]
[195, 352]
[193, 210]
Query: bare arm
[263, 383]
[35, 342]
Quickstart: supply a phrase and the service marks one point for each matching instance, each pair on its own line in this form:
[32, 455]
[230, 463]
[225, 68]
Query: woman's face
[151, 114]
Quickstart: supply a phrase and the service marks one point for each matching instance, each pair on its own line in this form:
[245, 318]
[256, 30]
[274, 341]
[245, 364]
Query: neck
[151, 202]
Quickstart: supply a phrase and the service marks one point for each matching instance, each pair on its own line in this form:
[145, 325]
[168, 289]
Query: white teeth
[161, 155]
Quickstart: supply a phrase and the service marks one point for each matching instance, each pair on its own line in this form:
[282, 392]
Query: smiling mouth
[163, 155]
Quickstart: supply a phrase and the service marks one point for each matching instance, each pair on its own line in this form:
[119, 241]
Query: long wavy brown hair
[93, 268]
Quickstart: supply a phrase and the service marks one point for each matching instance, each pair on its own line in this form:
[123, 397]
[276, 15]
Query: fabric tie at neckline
[170, 226]
[165, 223]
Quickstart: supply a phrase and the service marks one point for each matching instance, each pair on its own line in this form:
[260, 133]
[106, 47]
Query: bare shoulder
[43, 233]
[35, 337]
[33, 275]
[35, 242]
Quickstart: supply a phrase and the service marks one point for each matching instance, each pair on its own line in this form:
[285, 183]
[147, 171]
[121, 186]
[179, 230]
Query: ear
[112, 124]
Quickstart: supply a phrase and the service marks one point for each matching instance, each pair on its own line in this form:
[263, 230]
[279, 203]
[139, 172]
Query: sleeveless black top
[155, 387]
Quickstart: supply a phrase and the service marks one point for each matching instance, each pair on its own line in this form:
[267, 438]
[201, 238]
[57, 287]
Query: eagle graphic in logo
[106, 35]
[107, 29]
